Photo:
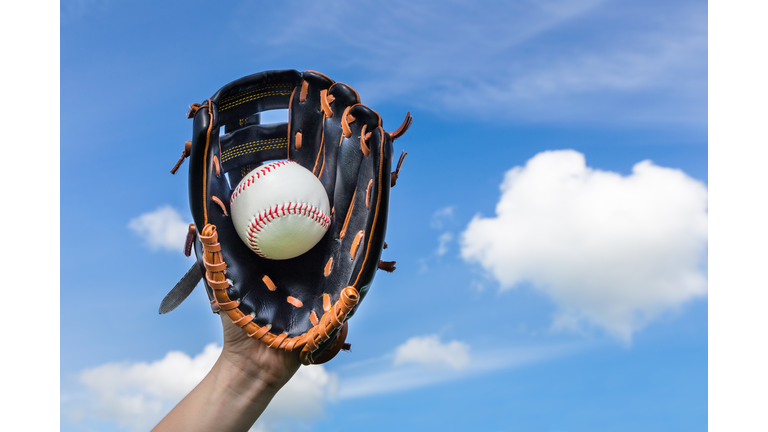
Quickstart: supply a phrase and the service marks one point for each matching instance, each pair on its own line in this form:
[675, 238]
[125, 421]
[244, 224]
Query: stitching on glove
[403, 127]
[207, 105]
[304, 88]
[294, 301]
[325, 103]
[330, 321]
[190, 241]
[259, 88]
[243, 321]
[347, 118]
[253, 147]
[363, 144]
[278, 340]
[396, 173]
[221, 204]
[247, 96]
[313, 318]
[328, 267]
[310, 341]
[349, 214]
[297, 141]
[320, 150]
[378, 203]
[368, 194]
[254, 97]
[184, 155]
[356, 244]
[326, 302]
[268, 282]
[387, 266]
[216, 165]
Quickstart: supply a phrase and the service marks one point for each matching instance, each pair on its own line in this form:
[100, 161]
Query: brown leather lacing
[304, 89]
[190, 241]
[387, 266]
[216, 165]
[268, 282]
[368, 194]
[364, 137]
[346, 119]
[297, 141]
[193, 109]
[403, 127]
[331, 320]
[221, 204]
[356, 244]
[325, 103]
[294, 301]
[349, 214]
[184, 155]
[396, 173]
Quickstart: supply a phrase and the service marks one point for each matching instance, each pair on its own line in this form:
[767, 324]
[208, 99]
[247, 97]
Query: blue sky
[549, 224]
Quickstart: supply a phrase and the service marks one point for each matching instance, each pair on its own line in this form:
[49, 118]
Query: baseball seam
[256, 174]
[265, 217]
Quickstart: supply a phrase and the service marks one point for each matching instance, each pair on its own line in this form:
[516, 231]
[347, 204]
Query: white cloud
[612, 250]
[561, 60]
[441, 216]
[302, 400]
[431, 352]
[382, 378]
[161, 229]
[138, 395]
[443, 240]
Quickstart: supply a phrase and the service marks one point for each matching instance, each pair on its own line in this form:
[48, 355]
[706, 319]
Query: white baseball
[280, 210]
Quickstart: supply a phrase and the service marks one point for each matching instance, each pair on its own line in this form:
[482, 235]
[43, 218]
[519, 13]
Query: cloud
[390, 378]
[138, 395]
[440, 216]
[558, 60]
[444, 239]
[161, 229]
[429, 351]
[616, 251]
[301, 401]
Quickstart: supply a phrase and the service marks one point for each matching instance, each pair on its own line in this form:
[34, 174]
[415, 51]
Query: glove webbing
[332, 319]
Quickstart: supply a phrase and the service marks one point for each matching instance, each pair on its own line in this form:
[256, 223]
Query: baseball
[280, 210]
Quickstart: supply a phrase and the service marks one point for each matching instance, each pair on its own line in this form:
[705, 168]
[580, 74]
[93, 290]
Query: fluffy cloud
[137, 395]
[161, 229]
[611, 250]
[444, 239]
[430, 351]
[301, 401]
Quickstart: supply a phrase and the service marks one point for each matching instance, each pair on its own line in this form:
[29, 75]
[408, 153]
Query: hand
[236, 391]
[254, 359]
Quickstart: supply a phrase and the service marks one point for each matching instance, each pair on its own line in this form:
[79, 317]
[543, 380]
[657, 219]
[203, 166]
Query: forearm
[228, 399]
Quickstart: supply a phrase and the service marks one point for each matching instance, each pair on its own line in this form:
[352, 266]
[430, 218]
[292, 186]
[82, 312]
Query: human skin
[245, 378]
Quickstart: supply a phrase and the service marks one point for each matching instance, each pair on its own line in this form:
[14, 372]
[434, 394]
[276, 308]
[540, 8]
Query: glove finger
[361, 199]
[306, 121]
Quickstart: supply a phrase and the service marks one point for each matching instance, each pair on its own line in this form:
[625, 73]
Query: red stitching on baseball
[256, 174]
[262, 219]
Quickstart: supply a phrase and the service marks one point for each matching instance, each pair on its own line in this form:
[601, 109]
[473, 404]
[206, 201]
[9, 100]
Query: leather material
[357, 185]
[182, 290]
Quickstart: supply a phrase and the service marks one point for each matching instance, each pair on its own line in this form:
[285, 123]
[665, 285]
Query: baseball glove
[301, 303]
